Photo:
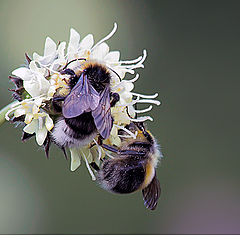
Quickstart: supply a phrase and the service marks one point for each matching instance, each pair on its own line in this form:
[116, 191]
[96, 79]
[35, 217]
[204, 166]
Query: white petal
[37, 86]
[116, 141]
[38, 101]
[33, 67]
[41, 135]
[131, 111]
[73, 41]
[48, 123]
[50, 47]
[125, 97]
[31, 128]
[32, 87]
[87, 153]
[96, 154]
[51, 91]
[24, 73]
[28, 118]
[44, 83]
[128, 86]
[87, 42]
[61, 49]
[75, 159]
[112, 56]
[36, 57]
[114, 131]
[100, 51]
[120, 71]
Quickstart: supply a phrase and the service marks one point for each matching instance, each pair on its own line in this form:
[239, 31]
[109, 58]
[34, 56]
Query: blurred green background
[193, 62]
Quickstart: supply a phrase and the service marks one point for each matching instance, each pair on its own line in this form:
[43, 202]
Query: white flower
[37, 121]
[77, 154]
[49, 55]
[34, 80]
[40, 124]
[42, 78]
[53, 56]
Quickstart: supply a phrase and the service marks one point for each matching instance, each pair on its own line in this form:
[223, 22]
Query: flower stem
[3, 111]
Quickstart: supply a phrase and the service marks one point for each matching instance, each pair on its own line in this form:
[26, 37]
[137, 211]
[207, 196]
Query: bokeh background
[193, 62]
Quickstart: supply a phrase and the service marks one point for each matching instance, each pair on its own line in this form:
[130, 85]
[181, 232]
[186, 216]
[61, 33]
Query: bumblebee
[86, 109]
[133, 167]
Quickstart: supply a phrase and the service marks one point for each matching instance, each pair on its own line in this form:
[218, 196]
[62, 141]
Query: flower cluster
[42, 78]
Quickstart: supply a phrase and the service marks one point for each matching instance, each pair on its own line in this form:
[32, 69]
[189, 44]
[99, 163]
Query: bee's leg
[74, 61]
[64, 152]
[94, 166]
[68, 71]
[117, 151]
[122, 152]
[115, 98]
[46, 145]
[57, 103]
[26, 136]
[73, 77]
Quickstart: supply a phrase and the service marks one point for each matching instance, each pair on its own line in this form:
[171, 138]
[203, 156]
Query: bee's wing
[83, 97]
[152, 193]
[102, 114]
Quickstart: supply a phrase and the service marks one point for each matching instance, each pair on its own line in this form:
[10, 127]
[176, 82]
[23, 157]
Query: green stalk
[3, 111]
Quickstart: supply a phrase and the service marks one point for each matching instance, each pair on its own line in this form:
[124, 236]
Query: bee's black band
[115, 99]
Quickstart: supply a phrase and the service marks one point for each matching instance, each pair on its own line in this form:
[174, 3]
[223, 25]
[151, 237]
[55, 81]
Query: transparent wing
[102, 114]
[83, 97]
[152, 193]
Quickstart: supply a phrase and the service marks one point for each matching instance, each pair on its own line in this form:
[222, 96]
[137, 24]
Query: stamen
[9, 111]
[134, 79]
[145, 96]
[144, 110]
[108, 154]
[126, 130]
[131, 61]
[49, 69]
[149, 101]
[107, 37]
[88, 167]
[140, 63]
[141, 119]
[128, 136]
[99, 150]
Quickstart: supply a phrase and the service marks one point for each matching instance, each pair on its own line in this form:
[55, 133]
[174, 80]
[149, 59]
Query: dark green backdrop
[193, 62]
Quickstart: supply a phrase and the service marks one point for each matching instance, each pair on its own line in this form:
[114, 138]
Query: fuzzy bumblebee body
[133, 168]
[86, 109]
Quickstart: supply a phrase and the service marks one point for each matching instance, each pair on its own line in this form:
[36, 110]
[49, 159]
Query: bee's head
[97, 73]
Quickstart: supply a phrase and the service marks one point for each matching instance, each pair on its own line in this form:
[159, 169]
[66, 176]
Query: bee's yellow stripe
[150, 171]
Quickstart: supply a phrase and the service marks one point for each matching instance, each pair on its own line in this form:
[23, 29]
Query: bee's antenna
[146, 134]
[74, 61]
[115, 73]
